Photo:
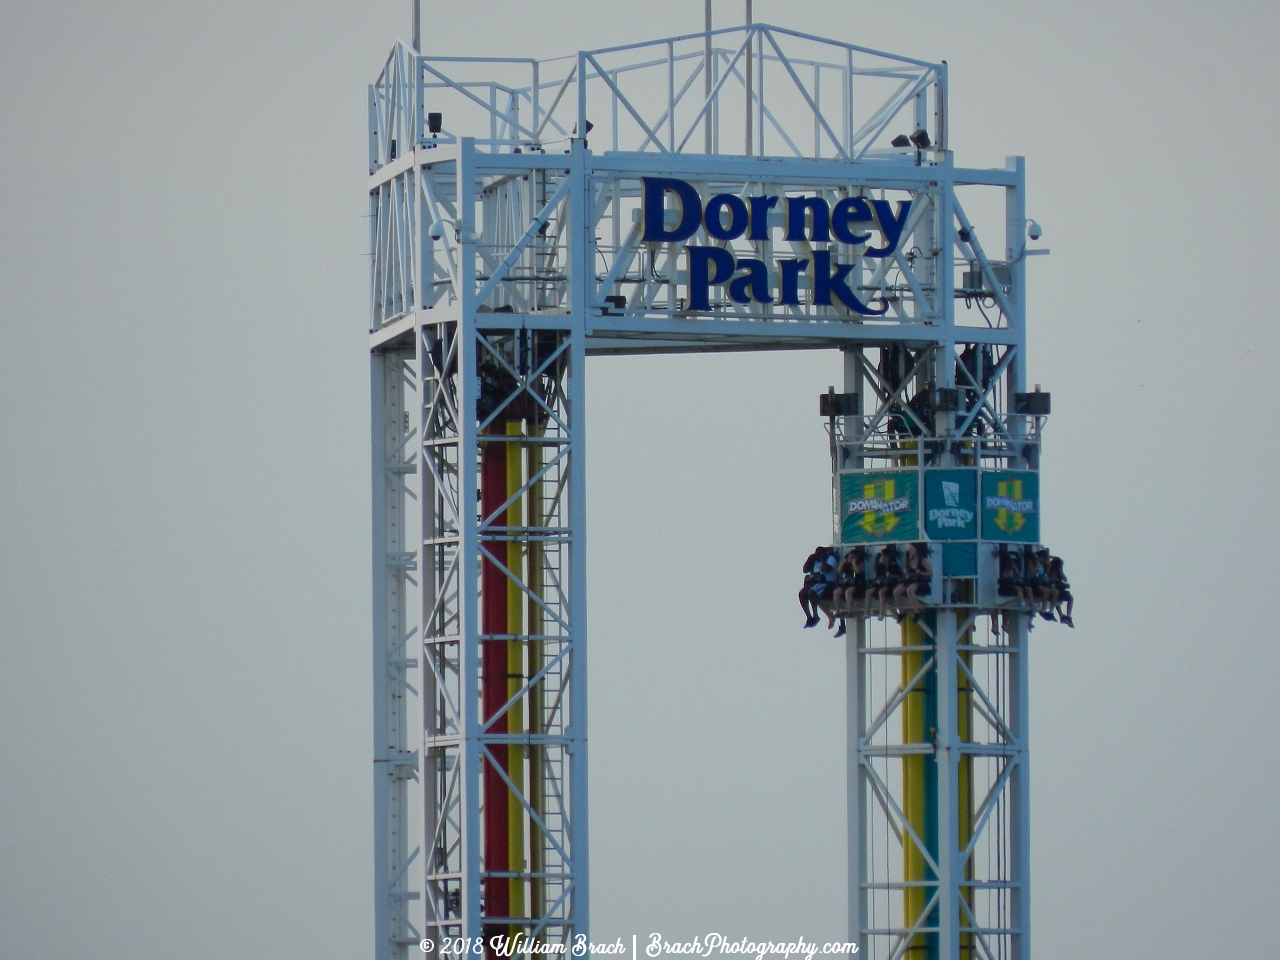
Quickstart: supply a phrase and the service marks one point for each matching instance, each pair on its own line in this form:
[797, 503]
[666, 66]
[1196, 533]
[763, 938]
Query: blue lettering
[789, 294]
[890, 226]
[753, 285]
[849, 221]
[655, 227]
[847, 211]
[760, 207]
[825, 284]
[737, 217]
[796, 207]
[707, 266]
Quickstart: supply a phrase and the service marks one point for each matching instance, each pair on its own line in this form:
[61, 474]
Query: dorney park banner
[852, 226]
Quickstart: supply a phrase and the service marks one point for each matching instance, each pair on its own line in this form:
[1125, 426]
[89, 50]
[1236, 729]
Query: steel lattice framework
[508, 244]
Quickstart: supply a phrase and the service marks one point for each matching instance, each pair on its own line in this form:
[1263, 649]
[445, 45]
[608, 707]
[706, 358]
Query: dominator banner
[880, 506]
[1011, 506]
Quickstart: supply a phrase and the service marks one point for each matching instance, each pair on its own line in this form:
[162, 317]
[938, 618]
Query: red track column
[493, 586]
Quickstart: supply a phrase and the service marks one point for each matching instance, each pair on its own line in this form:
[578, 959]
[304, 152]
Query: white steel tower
[752, 188]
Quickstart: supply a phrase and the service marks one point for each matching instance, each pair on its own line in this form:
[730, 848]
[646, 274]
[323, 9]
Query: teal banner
[1011, 506]
[880, 506]
[951, 504]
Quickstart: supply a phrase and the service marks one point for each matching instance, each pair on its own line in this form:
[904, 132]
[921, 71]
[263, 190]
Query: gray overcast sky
[184, 586]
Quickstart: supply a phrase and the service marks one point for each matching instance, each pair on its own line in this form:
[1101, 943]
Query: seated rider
[1045, 595]
[917, 580]
[851, 586]
[1010, 582]
[819, 577]
[888, 574]
[1062, 590]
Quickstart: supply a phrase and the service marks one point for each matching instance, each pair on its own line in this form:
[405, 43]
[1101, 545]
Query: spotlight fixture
[921, 139]
[901, 140]
[435, 122]
[832, 404]
[1035, 404]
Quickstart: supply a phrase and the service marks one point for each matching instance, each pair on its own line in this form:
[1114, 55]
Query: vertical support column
[940, 109]
[919, 792]
[1020, 793]
[855, 693]
[1015, 239]
[582, 280]
[944, 279]
[1015, 230]
[386, 843]
[847, 102]
[469, 546]
[748, 72]
[393, 762]
[1019, 786]
[964, 787]
[582, 94]
[759, 124]
[438, 451]
[502, 608]
[577, 730]
[856, 792]
[947, 746]
[706, 75]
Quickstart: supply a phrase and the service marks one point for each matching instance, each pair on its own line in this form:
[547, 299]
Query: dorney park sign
[872, 227]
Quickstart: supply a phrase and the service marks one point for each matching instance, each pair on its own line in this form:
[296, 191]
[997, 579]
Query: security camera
[436, 230]
[1033, 230]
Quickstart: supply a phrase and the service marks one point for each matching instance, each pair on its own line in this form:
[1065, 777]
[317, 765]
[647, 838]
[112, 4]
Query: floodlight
[921, 139]
[832, 404]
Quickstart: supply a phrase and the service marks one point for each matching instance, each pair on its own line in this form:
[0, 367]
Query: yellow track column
[964, 785]
[516, 671]
[919, 790]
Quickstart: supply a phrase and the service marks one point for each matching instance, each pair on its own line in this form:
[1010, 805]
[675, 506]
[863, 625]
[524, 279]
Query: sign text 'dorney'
[726, 216]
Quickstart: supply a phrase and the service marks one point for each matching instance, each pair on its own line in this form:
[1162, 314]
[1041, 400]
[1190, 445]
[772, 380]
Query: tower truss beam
[504, 252]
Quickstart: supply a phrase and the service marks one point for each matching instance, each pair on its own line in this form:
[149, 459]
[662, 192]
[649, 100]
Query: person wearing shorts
[851, 586]
[888, 574]
[917, 580]
[1058, 577]
[1010, 582]
[1041, 584]
[819, 581]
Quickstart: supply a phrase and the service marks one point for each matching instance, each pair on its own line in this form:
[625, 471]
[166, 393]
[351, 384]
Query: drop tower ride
[750, 188]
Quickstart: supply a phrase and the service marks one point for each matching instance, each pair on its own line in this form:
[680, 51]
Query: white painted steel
[482, 243]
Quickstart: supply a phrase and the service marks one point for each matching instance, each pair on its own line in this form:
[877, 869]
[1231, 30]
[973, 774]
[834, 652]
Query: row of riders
[840, 586]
